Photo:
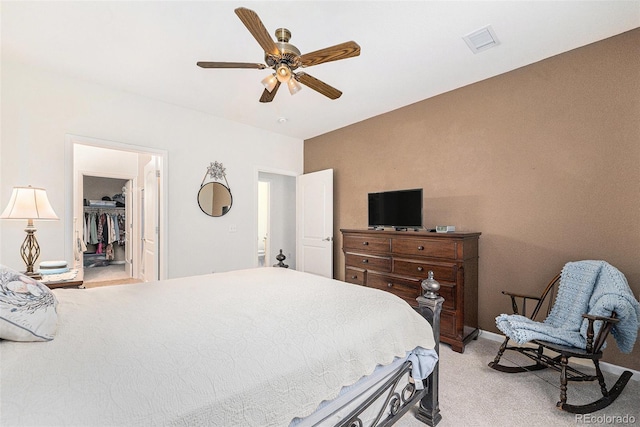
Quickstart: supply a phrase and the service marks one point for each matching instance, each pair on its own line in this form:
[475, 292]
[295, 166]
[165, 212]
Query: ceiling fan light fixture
[283, 73]
[269, 82]
[284, 59]
[294, 86]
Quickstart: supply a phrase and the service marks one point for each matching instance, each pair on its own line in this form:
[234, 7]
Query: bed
[256, 347]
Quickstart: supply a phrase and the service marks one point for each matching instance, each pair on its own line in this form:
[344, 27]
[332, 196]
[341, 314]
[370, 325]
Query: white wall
[283, 206]
[39, 108]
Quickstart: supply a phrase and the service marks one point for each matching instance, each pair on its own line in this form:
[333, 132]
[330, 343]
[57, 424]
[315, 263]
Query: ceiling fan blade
[230, 65]
[333, 53]
[255, 26]
[318, 86]
[268, 96]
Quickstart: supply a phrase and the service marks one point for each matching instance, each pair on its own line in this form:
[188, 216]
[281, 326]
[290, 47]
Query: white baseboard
[606, 367]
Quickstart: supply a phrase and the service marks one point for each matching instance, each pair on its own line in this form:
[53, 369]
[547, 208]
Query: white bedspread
[253, 347]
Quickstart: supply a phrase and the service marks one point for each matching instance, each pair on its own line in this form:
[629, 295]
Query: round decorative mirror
[215, 199]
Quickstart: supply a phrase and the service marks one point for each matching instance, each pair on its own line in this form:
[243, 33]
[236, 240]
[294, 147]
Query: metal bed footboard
[398, 394]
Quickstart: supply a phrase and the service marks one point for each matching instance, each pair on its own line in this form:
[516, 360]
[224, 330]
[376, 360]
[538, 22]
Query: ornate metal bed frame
[399, 394]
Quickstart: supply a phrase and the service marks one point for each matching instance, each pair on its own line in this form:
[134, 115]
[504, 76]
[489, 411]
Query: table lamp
[29, 203]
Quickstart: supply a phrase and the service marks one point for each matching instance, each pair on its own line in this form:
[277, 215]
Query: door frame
[70, 206]
[256, 177]
[267, 243]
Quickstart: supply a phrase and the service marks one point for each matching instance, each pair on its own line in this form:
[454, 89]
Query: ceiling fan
[284, 58]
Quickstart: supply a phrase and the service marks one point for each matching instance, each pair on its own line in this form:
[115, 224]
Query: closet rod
[103, 209]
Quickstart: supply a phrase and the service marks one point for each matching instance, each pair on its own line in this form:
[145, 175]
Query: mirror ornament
[214, 198]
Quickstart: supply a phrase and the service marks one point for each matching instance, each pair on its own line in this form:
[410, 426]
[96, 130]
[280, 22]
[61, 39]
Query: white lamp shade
[29, 203]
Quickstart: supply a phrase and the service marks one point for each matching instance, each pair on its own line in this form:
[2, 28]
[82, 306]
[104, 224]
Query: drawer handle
[420, 268]
[389, 285]
[354, 277]
[365, 243]
[365, 261]
[421, 248]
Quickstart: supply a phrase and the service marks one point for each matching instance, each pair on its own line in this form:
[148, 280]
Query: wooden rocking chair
[559, 362]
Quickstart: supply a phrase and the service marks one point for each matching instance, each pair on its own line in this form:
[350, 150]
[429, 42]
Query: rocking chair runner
[597, 331]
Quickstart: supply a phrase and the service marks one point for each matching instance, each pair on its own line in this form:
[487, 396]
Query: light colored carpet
[106, 276]
[472, 394]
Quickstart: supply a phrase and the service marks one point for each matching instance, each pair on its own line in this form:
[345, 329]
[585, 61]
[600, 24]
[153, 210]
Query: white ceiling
[411, 50]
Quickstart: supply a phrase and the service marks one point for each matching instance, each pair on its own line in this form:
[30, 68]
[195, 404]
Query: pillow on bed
[27, 308]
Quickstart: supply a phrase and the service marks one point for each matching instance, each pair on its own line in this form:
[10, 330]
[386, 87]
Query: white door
[149, 268]
[314, 217]
[128, 223]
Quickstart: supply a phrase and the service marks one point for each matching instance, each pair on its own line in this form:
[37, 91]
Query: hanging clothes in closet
[104, 229]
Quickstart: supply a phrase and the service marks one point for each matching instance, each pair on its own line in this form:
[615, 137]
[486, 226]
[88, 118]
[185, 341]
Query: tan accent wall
[543, 160]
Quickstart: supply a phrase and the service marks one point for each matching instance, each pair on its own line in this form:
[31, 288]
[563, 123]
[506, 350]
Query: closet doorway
[106, 254]
[106, 193]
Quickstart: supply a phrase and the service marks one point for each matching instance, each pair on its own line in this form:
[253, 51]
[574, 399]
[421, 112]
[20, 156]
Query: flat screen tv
[399, 209]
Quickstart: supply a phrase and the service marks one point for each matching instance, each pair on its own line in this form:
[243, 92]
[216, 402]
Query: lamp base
[30, 250]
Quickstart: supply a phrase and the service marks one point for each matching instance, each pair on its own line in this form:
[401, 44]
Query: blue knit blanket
[593, 287]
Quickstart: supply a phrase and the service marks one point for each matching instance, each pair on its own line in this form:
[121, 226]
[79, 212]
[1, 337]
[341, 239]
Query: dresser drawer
[354, 275]
[368, 262]
[448, 292]
[441, 271]
[448, 324]
[435, 248]
[367, 243]
[408, 290]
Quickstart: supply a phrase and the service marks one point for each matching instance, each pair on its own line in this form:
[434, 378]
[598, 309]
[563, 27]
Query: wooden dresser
[398, 261]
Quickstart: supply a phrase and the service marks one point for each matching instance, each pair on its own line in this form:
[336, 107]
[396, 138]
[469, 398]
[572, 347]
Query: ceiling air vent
[481, 39]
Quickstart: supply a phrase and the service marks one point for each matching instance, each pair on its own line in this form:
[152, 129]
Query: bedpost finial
[430, 286]
[281, 257]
